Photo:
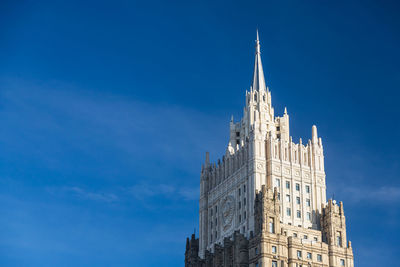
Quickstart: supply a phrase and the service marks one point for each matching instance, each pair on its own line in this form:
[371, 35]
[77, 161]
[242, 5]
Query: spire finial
[258, 76]
[258, 44]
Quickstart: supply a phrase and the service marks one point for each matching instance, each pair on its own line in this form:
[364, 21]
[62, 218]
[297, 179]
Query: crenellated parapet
[309, 155]
[233, 160]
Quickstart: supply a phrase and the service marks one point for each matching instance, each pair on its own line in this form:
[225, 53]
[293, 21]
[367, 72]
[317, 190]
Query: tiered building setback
[264, 202]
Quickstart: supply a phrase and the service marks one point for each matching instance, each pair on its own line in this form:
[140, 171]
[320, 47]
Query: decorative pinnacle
[258, 44]
[258, 76]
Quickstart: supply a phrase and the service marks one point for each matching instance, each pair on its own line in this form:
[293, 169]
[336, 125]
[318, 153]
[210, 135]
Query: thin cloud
[387, 194]
[83, 194]
[144, 191]
[97, 121]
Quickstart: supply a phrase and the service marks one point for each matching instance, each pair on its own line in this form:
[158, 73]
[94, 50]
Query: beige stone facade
[264, 202]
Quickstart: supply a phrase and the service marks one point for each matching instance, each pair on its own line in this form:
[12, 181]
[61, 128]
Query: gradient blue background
[107, 110]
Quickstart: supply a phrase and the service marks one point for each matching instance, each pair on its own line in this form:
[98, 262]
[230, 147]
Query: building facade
[264, 202]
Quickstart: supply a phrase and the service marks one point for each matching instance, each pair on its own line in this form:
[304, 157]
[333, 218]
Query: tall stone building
[264, 203]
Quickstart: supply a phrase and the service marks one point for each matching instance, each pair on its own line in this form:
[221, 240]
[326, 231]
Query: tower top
[258, 76]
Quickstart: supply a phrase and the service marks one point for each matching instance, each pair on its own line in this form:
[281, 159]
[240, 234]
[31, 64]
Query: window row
[298, 214]
[309, 256]
[305, 237]
[287, 185]
[298, 201]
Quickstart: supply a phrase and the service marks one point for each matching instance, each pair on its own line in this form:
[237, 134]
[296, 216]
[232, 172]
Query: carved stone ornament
[228, 210]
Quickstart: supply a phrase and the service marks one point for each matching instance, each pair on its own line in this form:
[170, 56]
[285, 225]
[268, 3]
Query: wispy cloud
[144, 191]
[387, 194]
[49, 119]
[83, 194]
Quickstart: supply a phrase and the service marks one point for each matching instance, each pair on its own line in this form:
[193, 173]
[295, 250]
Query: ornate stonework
[228, 211]
[264, 202]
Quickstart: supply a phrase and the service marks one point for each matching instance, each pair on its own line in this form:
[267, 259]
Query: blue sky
[107, 110]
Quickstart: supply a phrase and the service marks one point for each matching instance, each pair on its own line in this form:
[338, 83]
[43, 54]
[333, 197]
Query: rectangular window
[216, 209]
[309, 255]
[288, 198]
[308, 202]
[256, 251]
[308, 216]
[298, 214]
[277, 183]
[315, 238]
[216, 222]
[319, 257]
[307, 189]
[305, 237]
[244, 215]
[299, 254]
[239, 192]
[240, 218]
[211, 212]
[341, 262]
[287, 184]
[294, 235]
[279, 196]
[288, 212]
[273, 249]
[339, 239]
[271, 225]
[244, 201]
[211, 238]
[240, 205]
[298, 200]
[244, 188]
[297, 187]
[274, 264]
[211, 225]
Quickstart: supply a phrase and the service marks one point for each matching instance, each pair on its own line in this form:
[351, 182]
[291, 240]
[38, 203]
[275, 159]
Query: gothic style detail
[264, 202]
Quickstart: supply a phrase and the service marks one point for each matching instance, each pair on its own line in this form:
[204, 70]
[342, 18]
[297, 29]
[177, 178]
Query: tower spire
[258, 76]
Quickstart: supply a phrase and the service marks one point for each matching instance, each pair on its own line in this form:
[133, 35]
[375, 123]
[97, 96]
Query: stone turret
[333, 224]
[192, 250]
[266, 211]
